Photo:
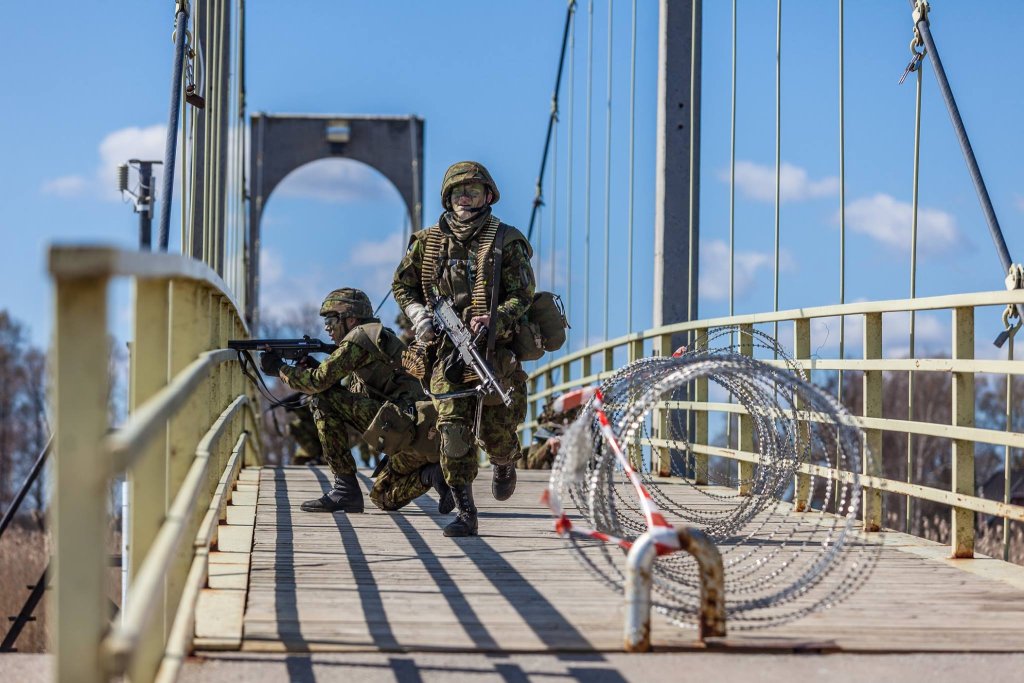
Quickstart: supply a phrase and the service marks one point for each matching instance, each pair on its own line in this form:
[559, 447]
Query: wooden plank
[234, 538]
[244, 497]
[244, 515]
[249, 474]
[391, 582]
[219, 619]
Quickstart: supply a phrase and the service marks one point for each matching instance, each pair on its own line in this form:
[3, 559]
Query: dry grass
[990, 542]
[24, 553]
[23, 556]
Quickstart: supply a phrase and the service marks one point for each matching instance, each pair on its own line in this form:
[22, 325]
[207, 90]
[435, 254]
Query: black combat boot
[431, 475]
[465, 523]
[503, 481]
[346, 496]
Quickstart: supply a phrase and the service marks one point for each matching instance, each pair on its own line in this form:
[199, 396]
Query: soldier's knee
[456, 439]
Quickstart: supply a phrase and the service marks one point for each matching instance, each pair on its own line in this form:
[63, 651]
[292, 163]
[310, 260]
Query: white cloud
[758, 182]
[271, 267]
[336, 180]
[66, 186]
[116, 148]
[145, 144]
[386, 252]
[714, 275]
[887, 220]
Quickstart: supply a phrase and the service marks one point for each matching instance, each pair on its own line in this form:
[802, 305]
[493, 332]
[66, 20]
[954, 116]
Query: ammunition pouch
[426, 440]
[390, 431]
[541, 329]
[393, 430]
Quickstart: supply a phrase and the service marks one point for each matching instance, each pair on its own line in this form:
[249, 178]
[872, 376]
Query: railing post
[662, 347]
[700, 420]
[81, 478]
[745, 436]
[802, 351]
[189, 335]
[634, 449]
[148, 479]
[962, 529]
[872, 455]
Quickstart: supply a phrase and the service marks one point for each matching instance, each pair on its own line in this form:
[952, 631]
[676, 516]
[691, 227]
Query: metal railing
[188, 433]
[577, 369]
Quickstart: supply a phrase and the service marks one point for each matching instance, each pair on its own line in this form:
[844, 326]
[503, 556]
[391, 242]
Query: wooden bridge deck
[390, 582]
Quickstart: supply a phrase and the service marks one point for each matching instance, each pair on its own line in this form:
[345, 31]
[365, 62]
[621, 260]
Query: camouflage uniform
[541, 454]
[456, 416]
[369, 356]
[302, 428]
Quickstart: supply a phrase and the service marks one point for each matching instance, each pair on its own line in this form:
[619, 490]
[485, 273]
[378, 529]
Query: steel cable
[569, 14]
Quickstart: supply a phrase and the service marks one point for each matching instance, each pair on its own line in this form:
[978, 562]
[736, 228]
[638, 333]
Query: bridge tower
[392, 145]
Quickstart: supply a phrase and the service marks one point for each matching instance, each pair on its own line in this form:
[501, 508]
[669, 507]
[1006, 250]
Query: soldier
[368, 356]
[455, 258]
[556, 417]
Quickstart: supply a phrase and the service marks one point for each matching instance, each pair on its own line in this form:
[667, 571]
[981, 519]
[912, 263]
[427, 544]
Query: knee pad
[456, 439]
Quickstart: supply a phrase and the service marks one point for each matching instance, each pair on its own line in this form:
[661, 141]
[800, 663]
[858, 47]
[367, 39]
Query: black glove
[270, 363]
[308, 363]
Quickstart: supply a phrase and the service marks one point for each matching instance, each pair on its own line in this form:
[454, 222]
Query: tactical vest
[460, 271]
[383, 378]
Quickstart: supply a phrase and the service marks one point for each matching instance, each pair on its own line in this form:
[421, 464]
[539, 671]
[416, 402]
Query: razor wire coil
[780, 565]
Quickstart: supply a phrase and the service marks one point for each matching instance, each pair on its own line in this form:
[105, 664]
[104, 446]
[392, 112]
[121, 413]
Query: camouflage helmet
[466, 172]
[347, 303]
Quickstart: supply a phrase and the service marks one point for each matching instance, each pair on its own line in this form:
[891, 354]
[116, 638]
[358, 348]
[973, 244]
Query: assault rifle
[292, 349]
[448, 321]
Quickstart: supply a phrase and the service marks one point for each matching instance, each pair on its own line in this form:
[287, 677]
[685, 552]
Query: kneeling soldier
[379, 402]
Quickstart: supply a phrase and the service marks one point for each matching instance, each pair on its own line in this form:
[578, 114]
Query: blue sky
[88, 88]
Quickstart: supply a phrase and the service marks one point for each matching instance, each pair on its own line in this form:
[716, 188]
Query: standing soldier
[378, 403]
[457, 259]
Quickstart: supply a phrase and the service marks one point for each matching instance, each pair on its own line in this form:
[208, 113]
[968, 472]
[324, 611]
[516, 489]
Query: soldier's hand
[478, 323]
[424, 329]
[270, 362]
[308, 363]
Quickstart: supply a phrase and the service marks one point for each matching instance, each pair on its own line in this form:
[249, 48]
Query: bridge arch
[282, 143]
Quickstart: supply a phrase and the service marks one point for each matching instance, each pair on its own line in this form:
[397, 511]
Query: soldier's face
[334, 327]
[467, 197]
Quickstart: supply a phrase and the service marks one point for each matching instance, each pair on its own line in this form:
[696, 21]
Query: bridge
[227, 578]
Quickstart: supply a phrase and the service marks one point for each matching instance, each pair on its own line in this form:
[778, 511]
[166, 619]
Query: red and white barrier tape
[666, 540]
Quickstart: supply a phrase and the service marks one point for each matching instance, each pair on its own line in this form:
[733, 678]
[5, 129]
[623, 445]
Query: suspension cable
[1012, 330]
[608, 178]
[570, 175]
[554, 210]
[732, 171]
[922, 23]
[538, 199]
[171, 142]
[696, 30]
[586, 174]
[632, 141]
[778, 151]
[732, 209]
[913, 268]
[842, 198]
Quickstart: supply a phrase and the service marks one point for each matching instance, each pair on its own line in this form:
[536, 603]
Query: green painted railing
[191, 428]
[600, 361]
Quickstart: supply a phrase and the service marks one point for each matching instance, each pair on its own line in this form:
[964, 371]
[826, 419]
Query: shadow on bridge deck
[388, 584]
